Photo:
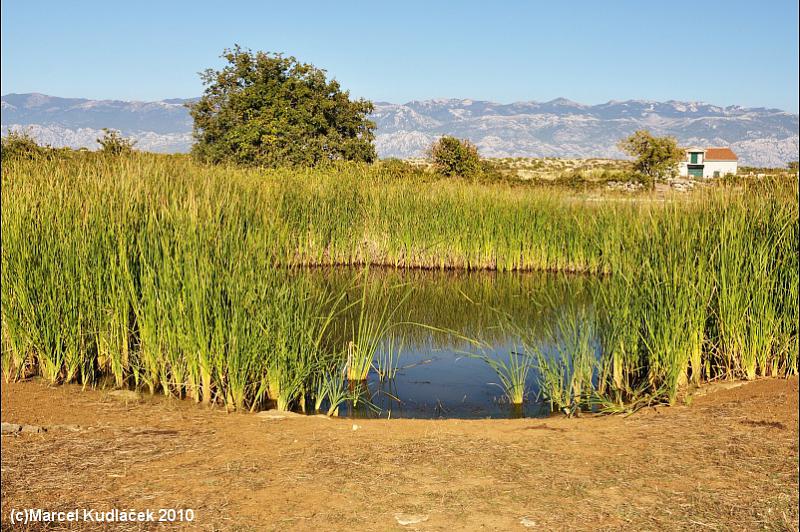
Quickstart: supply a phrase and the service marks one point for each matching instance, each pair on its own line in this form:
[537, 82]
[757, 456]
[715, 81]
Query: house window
[694, 158]
[716, 173]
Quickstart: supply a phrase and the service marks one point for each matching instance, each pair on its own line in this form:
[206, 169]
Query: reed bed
[162, 274]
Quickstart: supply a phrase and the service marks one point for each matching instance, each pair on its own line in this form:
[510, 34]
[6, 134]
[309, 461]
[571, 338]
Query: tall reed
[160, 273]
[566, 363]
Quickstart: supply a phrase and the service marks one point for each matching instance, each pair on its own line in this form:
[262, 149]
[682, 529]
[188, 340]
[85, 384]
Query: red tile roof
[720, 154]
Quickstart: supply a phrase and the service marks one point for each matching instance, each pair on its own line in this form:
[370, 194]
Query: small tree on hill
[455, 157]
[113, 143]
[265, 109]
[656, 157]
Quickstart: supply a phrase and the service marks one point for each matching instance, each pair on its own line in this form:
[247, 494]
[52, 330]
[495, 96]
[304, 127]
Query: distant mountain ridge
[558, 128]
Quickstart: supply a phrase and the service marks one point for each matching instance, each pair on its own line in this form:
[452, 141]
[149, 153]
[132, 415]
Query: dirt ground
[727, 461]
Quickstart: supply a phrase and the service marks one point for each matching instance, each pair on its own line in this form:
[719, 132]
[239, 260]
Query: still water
[444, 323]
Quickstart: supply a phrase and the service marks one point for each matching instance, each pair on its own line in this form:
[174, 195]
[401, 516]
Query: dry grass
[727, 462]
[551, 168]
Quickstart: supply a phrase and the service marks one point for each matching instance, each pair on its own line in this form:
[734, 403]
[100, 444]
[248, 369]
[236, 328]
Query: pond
[445, 325]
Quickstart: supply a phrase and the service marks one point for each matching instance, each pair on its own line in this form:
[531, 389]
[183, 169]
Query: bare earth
[728, 461]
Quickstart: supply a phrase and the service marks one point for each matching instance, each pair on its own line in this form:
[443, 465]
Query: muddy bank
[730, 460]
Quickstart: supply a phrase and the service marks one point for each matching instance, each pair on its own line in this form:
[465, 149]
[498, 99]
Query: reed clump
[175, 277]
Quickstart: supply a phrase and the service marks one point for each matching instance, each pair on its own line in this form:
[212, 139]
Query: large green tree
[656, 157]
[265, 109]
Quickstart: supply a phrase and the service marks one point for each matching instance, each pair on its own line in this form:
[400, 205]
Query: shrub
[20, 145]
[643, 179]
[573, 180]
[113, 143]
[493, 171]
[455, 157]
[398, 169]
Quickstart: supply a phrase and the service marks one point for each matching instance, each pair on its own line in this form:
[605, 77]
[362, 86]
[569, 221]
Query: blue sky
[725, 52]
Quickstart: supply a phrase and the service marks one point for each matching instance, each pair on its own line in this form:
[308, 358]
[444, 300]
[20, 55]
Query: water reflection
[442, 319]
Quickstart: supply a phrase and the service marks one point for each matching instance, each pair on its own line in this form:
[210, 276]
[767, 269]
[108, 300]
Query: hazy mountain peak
[565, 102]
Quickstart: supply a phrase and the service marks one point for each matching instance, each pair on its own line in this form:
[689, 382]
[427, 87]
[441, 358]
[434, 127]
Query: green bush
[113, 143]
[398, 169]
[20, 145]
[645, 180]
[493, 171]
[455, 157]
[572, 180]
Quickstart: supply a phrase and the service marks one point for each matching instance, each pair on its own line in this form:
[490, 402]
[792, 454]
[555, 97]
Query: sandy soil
[728, 461]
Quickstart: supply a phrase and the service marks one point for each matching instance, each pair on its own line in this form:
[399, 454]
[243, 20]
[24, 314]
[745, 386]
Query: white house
[708, 162]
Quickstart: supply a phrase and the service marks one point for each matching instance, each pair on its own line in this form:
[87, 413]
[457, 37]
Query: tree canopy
[452, 156]
[265, 109]
[656, 157]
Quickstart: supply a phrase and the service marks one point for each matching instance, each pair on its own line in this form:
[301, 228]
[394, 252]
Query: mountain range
[557, 128]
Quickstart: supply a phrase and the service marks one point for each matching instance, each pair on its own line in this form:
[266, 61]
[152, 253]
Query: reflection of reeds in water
[566, 362]
[387, 359]
[377, 313]
[444, 309]
[512, 373]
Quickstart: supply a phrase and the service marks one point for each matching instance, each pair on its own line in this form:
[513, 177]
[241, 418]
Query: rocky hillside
[559, 128]
[562, 128]
[163, 126]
